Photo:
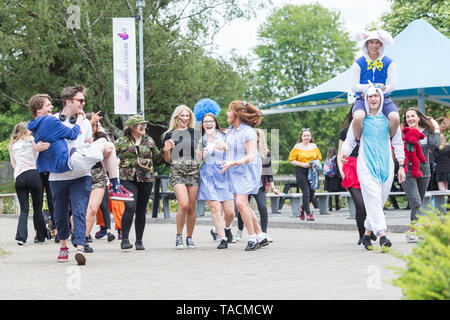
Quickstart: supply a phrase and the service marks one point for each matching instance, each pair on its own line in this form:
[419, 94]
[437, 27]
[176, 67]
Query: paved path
[299, 264]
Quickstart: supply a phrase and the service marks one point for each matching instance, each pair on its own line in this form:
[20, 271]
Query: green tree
[300, 48]
[40, 51]
[403, 12]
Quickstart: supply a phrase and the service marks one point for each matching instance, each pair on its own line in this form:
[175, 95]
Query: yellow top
[305, 156]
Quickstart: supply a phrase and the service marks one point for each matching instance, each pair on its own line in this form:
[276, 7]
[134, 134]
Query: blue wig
[205, 106]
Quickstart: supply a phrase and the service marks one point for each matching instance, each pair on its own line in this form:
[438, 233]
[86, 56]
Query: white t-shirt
[24, 156]
[82, 139]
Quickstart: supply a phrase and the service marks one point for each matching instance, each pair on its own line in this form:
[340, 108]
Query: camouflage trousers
[184, 172]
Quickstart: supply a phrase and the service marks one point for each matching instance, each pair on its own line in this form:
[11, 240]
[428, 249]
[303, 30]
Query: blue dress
[245, 178]
[213, 183]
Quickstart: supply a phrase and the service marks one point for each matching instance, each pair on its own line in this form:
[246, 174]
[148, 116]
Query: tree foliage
[427, 272]
[403, 12]
[40, 52]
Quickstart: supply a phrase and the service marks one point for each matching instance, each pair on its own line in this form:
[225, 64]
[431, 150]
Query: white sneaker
[179, 242]
[20, 242]
[238, 235]
[411, 238]
[269, 238]
[190, 243]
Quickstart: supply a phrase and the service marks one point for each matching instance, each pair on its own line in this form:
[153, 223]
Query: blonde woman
[179, 150]
[23, 153]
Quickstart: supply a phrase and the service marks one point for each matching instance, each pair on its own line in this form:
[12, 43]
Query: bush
[427, 273]
[4, 153]
[284, 167]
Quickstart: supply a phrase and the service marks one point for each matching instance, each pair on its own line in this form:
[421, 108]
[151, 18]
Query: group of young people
[223, 167]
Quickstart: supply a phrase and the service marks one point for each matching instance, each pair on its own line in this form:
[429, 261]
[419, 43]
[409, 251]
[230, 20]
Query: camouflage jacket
[133, 164]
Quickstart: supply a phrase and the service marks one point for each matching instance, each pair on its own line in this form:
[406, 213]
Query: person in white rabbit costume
[374, 67]
[375, 165]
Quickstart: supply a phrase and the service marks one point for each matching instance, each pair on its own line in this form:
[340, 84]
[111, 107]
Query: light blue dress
[245, 178]
[213, 183]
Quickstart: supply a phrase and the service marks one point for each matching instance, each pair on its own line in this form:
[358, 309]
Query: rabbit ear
[421, 136]
[405, 130]
[385, 37]
[360, 36]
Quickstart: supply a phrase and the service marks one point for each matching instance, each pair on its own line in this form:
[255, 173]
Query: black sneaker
[89, 239]
[36, 240]
[125, 244]
[367, 243]
[385, 242]
[359, 241]
[251, 246]
[229, 235]
[373, 237]
[88, 249]
[214, 234]
[264, 242]
[223, 244]
[111, 237]
[139, 245]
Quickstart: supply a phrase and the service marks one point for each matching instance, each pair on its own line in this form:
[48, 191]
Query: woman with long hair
[243, 166]
[179, 150]
[23, 154]
[213, 184]
[301, 156]
[137, 153]
[415, 188]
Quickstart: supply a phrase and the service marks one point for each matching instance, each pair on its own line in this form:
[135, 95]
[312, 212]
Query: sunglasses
[82, 101]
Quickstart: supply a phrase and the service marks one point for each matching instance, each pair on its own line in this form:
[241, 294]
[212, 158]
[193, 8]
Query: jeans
[26, 183]
[141, 194]
[76, 193]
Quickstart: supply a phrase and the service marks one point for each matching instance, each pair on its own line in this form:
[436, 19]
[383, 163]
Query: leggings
[260, 198]
[141, 193]
[26, 183]
[301, 175]
[415, 190]
[360, 210]
[48, 191]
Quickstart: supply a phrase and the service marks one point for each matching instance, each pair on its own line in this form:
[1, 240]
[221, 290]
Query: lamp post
[140, 4]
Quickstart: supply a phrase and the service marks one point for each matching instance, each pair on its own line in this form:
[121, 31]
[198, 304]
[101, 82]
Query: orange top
[305, 156]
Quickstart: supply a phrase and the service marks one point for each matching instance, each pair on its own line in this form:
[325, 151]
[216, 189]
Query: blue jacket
[375, 76]
[50, 129]
[313, 174]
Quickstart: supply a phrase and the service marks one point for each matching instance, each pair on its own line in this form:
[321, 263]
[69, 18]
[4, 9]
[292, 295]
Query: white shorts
[83, 158]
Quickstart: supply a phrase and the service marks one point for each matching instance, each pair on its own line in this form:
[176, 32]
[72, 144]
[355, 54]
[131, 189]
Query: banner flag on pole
[124, 60]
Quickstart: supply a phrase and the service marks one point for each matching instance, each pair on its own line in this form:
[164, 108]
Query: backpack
[330, 167]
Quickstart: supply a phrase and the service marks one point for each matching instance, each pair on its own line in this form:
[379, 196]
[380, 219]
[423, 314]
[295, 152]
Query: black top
[342, 137]
[184, 143]
[443, 160]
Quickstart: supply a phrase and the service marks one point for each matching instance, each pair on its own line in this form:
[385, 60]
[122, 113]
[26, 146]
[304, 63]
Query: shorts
[99, 178]
[83, 158]
[184, 172]
[388, 106]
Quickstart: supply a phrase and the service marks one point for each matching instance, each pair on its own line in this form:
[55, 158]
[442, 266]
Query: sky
[355, 14]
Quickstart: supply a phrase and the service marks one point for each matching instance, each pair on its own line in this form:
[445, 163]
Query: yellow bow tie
[377, 64]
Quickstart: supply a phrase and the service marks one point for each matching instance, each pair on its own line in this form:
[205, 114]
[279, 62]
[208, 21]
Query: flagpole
[140, 4]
